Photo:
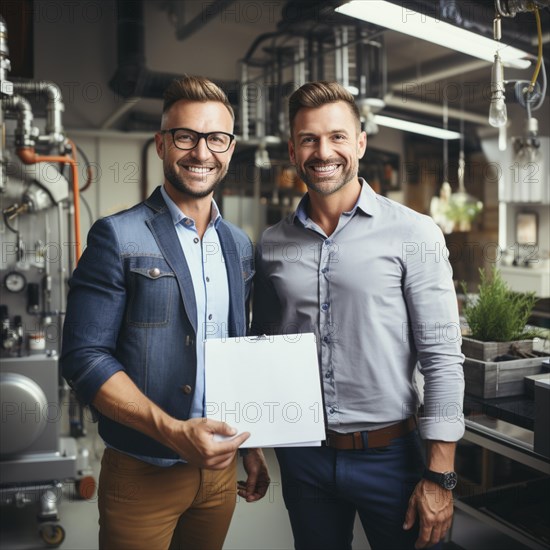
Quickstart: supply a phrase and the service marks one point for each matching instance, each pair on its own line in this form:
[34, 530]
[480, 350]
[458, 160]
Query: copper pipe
[29, 156]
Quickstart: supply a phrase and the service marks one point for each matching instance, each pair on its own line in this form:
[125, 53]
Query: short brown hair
[194, 88]
[317, 94]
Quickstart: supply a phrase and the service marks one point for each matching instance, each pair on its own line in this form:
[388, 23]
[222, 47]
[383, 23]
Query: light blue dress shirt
[378, 294]
[206, 264]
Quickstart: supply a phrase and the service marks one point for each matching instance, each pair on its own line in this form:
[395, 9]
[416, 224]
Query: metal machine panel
[31, 449]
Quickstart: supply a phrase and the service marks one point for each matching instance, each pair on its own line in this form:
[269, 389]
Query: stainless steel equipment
[39, 205]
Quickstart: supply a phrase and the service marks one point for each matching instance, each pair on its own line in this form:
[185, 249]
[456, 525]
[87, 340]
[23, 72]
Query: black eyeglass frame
[200, 135]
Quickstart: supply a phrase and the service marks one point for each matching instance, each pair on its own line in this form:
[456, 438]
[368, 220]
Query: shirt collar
[367, 202]
[178, 216]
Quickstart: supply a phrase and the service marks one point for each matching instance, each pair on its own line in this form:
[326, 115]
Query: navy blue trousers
[324, 488]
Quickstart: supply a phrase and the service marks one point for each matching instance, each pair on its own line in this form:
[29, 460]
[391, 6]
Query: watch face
[449, 480]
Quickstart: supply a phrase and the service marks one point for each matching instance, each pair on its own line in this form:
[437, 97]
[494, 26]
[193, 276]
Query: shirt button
[154, 272]
[324, 307]
[210, 317]
[207, 279]
[326, 339]
[324, 270]
[188, 221]
[196, 240]
[328, 374]
[187, 389]
[331, 410]
[327, 242]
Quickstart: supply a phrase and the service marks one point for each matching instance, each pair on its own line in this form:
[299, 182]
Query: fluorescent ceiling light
[415, 128]
[407, 21]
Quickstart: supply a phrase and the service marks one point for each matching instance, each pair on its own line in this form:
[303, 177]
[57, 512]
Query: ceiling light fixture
[407, 21]
[414, 127]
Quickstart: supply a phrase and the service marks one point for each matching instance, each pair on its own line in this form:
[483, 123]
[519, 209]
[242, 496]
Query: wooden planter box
[487, 351]
[489, 379]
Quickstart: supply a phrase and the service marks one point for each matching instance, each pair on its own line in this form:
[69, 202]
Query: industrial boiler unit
[39, 230]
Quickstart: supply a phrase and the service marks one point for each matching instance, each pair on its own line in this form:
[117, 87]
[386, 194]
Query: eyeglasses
[186, 139]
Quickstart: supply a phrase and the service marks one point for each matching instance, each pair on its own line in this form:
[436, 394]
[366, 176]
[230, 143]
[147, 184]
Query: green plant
[498, 314]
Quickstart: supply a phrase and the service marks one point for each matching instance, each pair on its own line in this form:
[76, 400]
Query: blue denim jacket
[131, 307]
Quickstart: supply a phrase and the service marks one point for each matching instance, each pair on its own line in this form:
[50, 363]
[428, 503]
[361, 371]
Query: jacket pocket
[152, 292]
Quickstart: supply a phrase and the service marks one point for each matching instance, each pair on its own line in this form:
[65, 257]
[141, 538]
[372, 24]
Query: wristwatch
[447, 480]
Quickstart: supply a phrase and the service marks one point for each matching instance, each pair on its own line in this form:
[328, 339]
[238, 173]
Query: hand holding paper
[195, 441]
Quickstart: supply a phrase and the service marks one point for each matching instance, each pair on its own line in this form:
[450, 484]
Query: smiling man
[154, 282]
[375, 286]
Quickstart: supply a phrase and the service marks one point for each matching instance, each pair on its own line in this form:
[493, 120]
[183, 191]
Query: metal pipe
[438, 70]
[338, 54]
[6, 90]
[300, 63]
[54, 109]
[5, 64]
[61, 269]
[243, 103]
[433, 109]
[25, 134]
[128, 104]
[205, 16]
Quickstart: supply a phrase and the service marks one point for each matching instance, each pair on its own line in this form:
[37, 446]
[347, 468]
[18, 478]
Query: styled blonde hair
[194, 88]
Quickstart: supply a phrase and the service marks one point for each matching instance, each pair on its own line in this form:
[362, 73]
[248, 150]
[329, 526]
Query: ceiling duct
[132, 77]
[184, 29]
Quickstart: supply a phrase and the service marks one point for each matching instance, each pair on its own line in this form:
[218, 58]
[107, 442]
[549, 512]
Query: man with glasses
[154, 282]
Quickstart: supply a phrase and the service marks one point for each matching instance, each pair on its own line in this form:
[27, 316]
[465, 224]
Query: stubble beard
[328, 187]
[178, 182]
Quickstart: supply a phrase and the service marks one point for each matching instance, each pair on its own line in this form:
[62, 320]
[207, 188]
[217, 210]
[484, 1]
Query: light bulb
[497, 110]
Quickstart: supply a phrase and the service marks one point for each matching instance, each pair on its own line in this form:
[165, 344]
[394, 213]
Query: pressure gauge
[15, 282]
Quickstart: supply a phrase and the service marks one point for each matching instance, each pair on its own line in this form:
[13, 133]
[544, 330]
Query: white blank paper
[268, 386]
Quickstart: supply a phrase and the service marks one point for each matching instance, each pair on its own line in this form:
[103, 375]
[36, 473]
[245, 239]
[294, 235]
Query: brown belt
[375, 438]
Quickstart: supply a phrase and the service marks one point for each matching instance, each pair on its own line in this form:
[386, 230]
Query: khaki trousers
[148, 507]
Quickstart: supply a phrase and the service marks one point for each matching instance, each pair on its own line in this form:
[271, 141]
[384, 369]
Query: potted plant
[497, 319]
[499, 351]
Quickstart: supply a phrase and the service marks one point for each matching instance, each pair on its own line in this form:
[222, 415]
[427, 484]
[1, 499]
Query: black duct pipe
[132, 77]
[208, 13]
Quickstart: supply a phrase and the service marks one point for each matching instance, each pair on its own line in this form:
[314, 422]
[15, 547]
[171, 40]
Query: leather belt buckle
[375, 438]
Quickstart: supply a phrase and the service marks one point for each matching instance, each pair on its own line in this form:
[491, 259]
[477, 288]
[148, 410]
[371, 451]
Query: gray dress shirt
[379, 296]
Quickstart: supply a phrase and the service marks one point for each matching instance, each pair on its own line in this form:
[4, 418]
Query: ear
[231, 150]
[159, 144]
[291, 151]
[361, 144]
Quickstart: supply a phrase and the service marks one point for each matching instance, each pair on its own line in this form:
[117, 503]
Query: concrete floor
[262, 525]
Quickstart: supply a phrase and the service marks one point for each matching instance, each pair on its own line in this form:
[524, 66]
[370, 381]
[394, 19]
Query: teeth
[198, 169]
[326, 168]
